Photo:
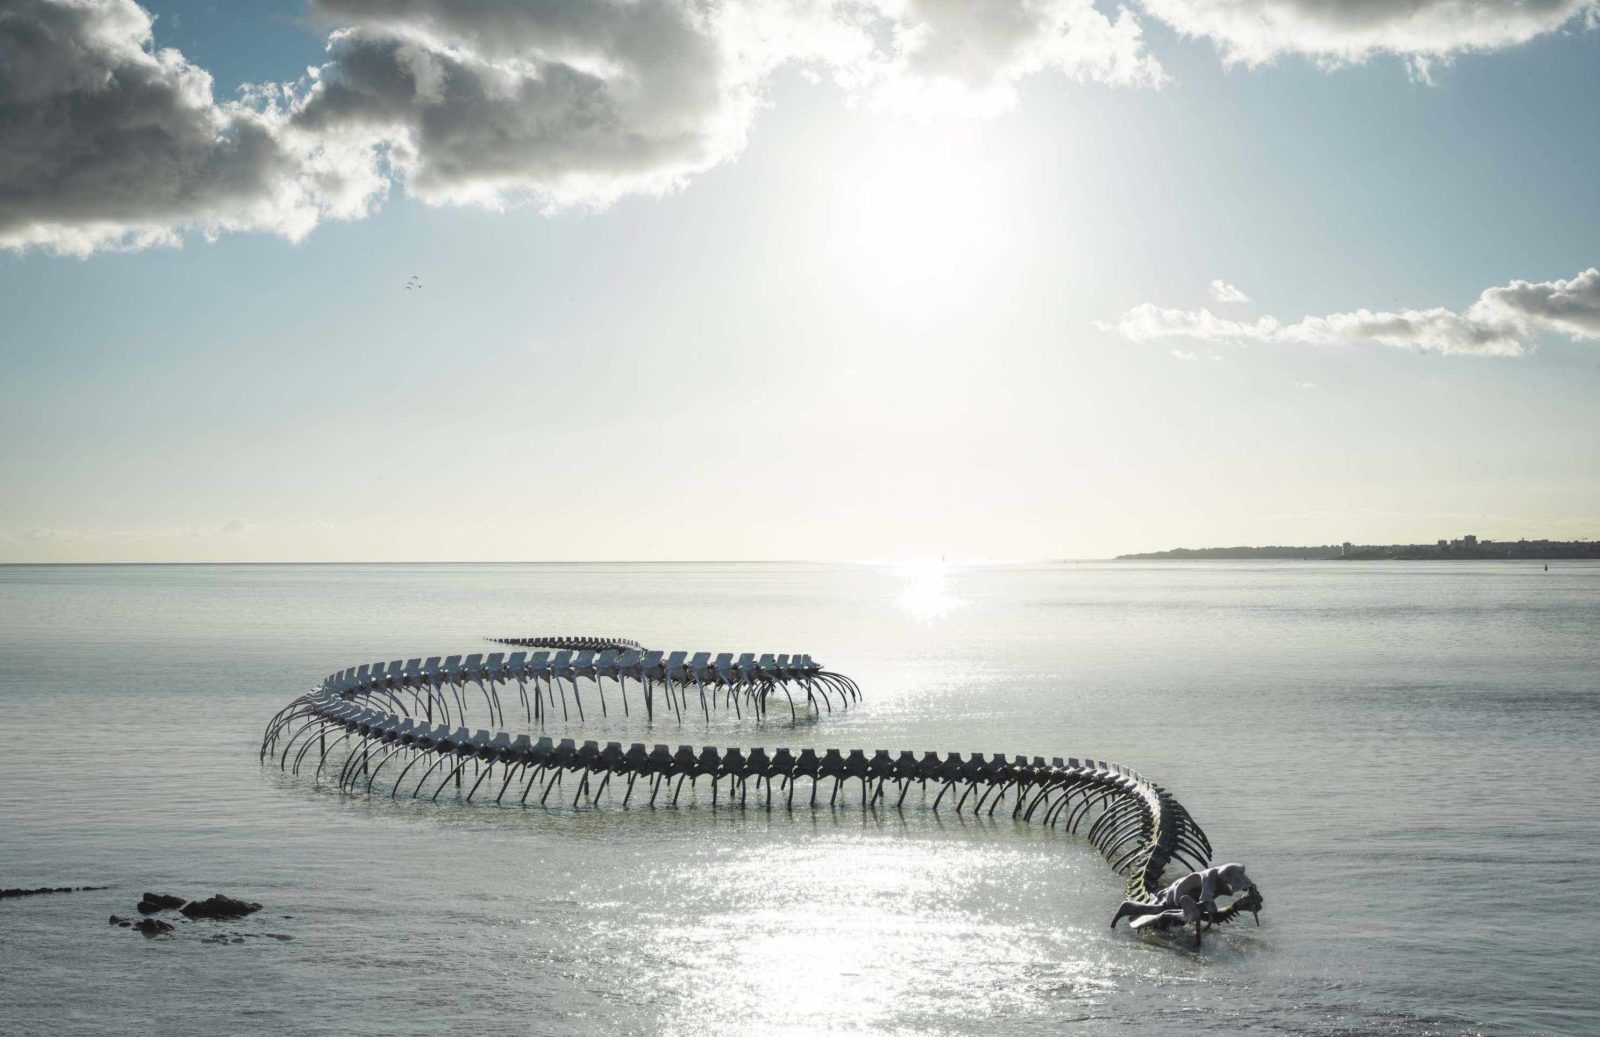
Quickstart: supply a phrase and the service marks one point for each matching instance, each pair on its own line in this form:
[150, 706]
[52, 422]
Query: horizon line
[1131, 557]
[602, 561]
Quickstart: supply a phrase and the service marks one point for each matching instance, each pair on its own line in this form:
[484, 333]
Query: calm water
[1405, 754]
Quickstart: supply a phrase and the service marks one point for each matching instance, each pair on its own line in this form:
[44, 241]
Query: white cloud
[1570, 307]
[1502, 322]
[1148, 322]
[114, 143]
[956, 55]
[1222, 291]
[1337, 32]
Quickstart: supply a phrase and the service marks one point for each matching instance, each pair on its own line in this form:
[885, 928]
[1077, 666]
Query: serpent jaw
[387, 710]
[1250, 900]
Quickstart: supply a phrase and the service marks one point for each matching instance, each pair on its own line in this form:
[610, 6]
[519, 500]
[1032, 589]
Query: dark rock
[219, 906]
[8, 893]
[120, 921]
[152, 927]
[285, 937]
[154, 902]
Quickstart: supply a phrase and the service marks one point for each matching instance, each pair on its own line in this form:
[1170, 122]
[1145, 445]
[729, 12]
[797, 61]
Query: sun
[917, 219]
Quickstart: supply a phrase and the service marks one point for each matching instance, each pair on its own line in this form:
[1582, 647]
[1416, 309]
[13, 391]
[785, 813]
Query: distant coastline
[1467, 547]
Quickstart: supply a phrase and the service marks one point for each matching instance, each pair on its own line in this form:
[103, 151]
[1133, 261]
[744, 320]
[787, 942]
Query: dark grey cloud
[559, 100]
[105, 141]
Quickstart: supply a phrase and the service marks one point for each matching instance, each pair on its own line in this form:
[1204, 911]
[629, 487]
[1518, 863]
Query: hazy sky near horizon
[899, 280]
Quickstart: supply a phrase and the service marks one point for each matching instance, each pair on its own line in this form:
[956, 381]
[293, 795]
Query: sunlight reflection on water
[926, 592]
[886, 937]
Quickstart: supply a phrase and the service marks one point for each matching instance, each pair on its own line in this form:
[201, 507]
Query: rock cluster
[218, 907]
[148, 926]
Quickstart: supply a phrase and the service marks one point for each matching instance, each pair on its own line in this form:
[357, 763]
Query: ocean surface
[1406, 756]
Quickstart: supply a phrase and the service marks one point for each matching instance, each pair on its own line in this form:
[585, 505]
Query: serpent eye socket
[1250, 900]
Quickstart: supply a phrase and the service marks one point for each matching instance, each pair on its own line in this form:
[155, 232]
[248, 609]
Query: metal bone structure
[406, 722]
[571, 642]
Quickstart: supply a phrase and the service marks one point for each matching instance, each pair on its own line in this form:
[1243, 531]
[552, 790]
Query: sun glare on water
[926, 592]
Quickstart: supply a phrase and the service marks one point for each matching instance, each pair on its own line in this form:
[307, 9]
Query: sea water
[1404, 754]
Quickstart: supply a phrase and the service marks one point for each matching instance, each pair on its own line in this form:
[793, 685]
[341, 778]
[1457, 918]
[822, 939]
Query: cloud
[112, 142]
[489, 102]
[499, 101]
[1569, 307]
[955, 55]
[1256, 32]
[1222, 291]
[1148, 322]
[1502, 322]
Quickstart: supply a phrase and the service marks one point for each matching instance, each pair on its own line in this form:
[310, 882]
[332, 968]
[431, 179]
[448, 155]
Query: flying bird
[415, 282]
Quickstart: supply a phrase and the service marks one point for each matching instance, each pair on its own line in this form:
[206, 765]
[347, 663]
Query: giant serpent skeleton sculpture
[407, 719]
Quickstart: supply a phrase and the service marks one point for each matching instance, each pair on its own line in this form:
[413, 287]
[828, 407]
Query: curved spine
[397, 708]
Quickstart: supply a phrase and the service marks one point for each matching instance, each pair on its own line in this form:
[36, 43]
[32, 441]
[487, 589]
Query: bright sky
[794, 280]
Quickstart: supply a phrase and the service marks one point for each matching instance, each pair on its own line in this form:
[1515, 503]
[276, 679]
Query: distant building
[1344, 549]
[1469, 541]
